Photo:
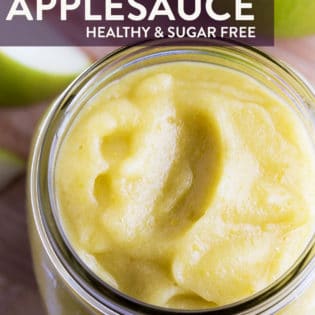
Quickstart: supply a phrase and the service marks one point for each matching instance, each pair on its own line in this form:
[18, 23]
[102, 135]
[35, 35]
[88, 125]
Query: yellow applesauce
[187, 185]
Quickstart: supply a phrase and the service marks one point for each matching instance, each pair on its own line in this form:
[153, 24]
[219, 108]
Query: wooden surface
[18, 291]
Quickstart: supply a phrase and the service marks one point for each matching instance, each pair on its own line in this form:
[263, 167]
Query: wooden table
[18, 291]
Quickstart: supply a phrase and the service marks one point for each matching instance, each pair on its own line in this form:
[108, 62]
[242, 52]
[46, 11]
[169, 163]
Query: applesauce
[180, 186]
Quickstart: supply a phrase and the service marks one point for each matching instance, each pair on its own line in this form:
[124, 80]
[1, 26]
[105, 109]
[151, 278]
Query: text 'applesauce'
[187, 185]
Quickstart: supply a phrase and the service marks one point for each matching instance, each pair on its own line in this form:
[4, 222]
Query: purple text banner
[125, 22]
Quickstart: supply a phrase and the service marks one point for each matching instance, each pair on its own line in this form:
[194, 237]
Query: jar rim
[40, 193]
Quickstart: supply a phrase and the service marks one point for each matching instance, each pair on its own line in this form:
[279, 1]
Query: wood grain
[18, 291]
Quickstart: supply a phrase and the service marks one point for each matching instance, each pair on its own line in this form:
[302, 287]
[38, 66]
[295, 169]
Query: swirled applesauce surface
[187, 185]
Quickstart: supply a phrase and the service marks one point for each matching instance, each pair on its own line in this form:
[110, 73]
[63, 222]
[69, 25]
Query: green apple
[10, 167]
[33, 74]
[294, 18]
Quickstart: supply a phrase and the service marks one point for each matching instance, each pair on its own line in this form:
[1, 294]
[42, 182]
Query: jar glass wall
[66, 284]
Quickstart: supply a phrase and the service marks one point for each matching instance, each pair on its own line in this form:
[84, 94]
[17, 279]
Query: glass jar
[67, 286]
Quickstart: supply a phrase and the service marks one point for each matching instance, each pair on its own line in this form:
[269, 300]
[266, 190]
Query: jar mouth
[63, 112]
